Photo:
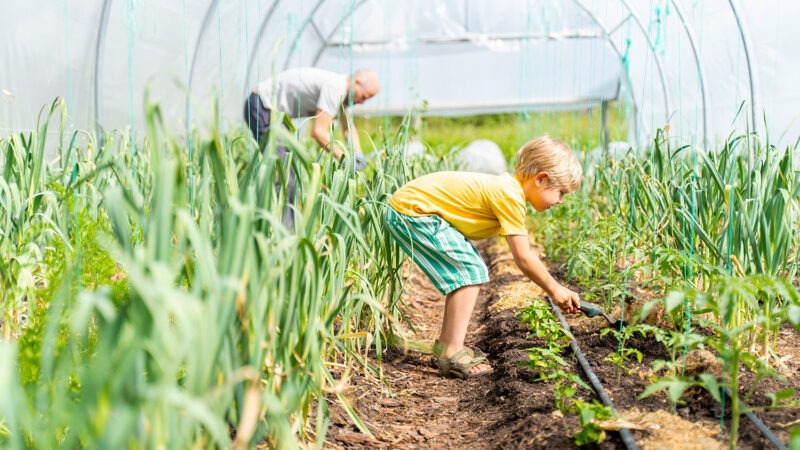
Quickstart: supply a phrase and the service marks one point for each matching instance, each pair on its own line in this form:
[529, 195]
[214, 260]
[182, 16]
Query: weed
[591, 413]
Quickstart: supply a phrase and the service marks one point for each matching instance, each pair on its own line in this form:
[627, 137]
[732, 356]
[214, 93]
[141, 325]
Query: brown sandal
[452, 368]
[437, 351]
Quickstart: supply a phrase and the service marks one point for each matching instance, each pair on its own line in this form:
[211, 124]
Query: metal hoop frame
[214, 4]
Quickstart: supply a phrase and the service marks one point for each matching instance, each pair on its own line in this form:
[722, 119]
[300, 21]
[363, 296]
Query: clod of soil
[670, 431]
[701, 360]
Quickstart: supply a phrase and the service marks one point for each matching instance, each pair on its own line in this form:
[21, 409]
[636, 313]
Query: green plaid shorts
[448, 258]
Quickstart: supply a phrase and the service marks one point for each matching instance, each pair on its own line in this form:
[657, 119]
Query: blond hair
[547, 154]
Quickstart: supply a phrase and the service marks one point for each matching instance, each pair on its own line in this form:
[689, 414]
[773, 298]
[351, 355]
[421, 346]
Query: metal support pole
[700, 74]
[98, 63]
[252, 55]
[745, 35]
[604, 122]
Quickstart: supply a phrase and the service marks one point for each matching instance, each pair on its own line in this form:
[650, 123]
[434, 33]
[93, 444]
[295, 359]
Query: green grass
[581, 130]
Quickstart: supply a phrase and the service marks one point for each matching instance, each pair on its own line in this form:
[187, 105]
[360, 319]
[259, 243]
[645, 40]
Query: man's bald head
[365, 85]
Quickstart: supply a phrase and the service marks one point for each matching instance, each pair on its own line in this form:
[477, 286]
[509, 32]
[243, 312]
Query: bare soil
[416, 408]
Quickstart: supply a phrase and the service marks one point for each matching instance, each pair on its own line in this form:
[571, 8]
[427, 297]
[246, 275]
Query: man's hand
[361, 163]
[569, 301]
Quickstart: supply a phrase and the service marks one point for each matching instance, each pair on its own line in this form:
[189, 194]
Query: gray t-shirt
[301, 92]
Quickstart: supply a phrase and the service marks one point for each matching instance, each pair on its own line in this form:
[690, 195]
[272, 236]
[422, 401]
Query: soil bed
[509, 408]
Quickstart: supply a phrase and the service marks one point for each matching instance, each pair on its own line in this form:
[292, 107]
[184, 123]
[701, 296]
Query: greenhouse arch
[659, 60]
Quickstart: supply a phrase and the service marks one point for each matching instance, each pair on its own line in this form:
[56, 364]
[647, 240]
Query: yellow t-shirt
[476, 204]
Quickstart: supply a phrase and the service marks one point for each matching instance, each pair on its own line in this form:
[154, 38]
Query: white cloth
[301, 92]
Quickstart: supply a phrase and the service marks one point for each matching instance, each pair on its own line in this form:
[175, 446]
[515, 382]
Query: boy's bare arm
[535, 270]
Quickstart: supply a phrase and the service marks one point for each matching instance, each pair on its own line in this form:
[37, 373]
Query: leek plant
[732, 210]
[27, 213]
[715, 231]
[220, 325]
[724, 297]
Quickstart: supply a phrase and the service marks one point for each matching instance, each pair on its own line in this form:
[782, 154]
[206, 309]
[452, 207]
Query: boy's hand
[535, 270]
[568, 300]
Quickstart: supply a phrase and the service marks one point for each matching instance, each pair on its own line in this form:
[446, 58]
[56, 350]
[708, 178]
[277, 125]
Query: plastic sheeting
[686, 63]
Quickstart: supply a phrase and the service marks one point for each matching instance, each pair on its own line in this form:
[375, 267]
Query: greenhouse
[399, 224]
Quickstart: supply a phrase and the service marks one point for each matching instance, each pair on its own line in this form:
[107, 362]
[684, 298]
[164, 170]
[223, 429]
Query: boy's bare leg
[457, 312]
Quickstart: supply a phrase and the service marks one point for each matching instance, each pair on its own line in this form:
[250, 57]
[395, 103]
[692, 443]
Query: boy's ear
[540, 177]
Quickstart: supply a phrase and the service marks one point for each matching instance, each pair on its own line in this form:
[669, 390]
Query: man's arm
[535, 270]
[320, 131]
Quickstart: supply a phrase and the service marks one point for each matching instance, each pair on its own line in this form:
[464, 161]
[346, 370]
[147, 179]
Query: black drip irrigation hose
[760, 425]
[627, 437]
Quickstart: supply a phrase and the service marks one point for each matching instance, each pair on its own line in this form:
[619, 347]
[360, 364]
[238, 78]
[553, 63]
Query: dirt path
[509, 409]
[424, 410]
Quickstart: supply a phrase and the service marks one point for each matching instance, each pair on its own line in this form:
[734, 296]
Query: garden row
[152, 294]
[706, 241]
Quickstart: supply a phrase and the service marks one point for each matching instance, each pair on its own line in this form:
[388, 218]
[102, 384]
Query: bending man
[312, 92]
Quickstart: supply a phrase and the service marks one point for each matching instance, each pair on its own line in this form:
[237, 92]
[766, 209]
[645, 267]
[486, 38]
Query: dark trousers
[257, 117]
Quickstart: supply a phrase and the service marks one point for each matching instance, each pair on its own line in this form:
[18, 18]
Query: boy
[434, 217]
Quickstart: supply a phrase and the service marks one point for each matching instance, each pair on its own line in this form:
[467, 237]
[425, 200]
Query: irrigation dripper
[592, 310]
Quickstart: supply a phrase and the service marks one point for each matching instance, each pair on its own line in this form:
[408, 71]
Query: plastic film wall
[705, 67]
